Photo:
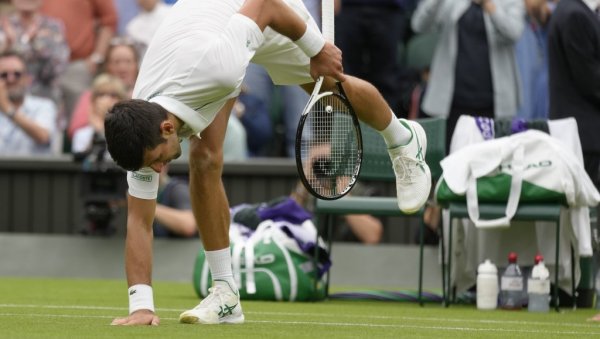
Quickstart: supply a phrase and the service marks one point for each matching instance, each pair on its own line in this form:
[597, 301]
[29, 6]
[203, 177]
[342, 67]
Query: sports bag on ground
[279, 260]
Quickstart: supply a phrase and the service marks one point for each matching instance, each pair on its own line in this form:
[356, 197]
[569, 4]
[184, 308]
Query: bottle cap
[512, 257]
[487, 267]
[538, 258]
[539, 270]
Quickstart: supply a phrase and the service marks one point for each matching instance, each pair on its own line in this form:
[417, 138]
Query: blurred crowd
[64, 63]
[428, 58]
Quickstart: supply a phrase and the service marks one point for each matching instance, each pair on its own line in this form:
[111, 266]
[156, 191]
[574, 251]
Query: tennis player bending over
[187, 84]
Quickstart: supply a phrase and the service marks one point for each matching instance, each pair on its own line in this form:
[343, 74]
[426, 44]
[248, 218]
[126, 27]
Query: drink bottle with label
[511, 285]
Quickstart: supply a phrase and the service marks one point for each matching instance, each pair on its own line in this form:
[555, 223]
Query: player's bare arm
[275, 14]
[282, 18]
[138, 255]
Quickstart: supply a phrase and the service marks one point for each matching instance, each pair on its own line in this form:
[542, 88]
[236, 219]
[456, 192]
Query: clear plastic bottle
[511, 285]
[538, 287]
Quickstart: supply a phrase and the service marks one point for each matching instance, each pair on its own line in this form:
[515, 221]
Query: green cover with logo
[496, 188]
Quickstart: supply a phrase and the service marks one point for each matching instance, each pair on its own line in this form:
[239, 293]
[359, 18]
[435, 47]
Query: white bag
[527, 167]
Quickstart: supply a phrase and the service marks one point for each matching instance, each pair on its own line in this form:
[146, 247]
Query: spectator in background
[27, 122]
[122, 61]
[252, 112]
[107, 90]
[288, 107]
[143, 26]
[368, 33]
[474, 70]
[574, 59]
[174, 217]
[89, 24]
[126, 10]
[532, 59]
[574, 68]
[42, 42]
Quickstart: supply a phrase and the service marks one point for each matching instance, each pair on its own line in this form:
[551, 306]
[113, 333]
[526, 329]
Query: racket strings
[331, 149]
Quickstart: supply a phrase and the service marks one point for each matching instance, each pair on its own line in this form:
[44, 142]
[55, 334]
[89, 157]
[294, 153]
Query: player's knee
[205, 160]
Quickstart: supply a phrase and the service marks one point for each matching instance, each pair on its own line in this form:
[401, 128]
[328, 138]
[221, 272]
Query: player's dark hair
[130, 127]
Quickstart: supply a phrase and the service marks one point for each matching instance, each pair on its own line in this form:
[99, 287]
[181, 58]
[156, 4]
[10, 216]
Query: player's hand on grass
[141, 317]
[328, 62]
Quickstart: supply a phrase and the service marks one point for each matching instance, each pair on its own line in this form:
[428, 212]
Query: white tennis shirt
[195, 63]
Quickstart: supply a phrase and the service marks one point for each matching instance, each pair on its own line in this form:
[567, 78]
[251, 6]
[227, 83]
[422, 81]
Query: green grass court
[69, 308]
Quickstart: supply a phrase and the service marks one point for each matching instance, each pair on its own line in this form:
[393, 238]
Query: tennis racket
[328, 138]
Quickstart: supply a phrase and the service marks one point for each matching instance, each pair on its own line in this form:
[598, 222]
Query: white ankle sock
[396, 134]
[219, 262]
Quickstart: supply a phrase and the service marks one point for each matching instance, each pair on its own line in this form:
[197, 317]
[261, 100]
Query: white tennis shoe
[413, 177]
[221, 306]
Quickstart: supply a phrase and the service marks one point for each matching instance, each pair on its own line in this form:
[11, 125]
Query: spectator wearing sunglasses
[107, 90]
[27, 122]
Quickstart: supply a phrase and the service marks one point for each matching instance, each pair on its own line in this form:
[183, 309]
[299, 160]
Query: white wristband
[140, 298]
[311, 42]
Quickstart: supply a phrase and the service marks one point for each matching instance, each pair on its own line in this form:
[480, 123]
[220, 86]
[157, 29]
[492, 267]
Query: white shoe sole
[188, 318]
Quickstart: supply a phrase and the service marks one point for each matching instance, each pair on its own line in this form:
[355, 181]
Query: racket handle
[327, 19]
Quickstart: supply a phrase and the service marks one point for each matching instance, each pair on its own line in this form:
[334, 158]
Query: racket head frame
[315, 97]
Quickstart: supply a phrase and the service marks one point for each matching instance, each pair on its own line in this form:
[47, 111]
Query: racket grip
[327, 19]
